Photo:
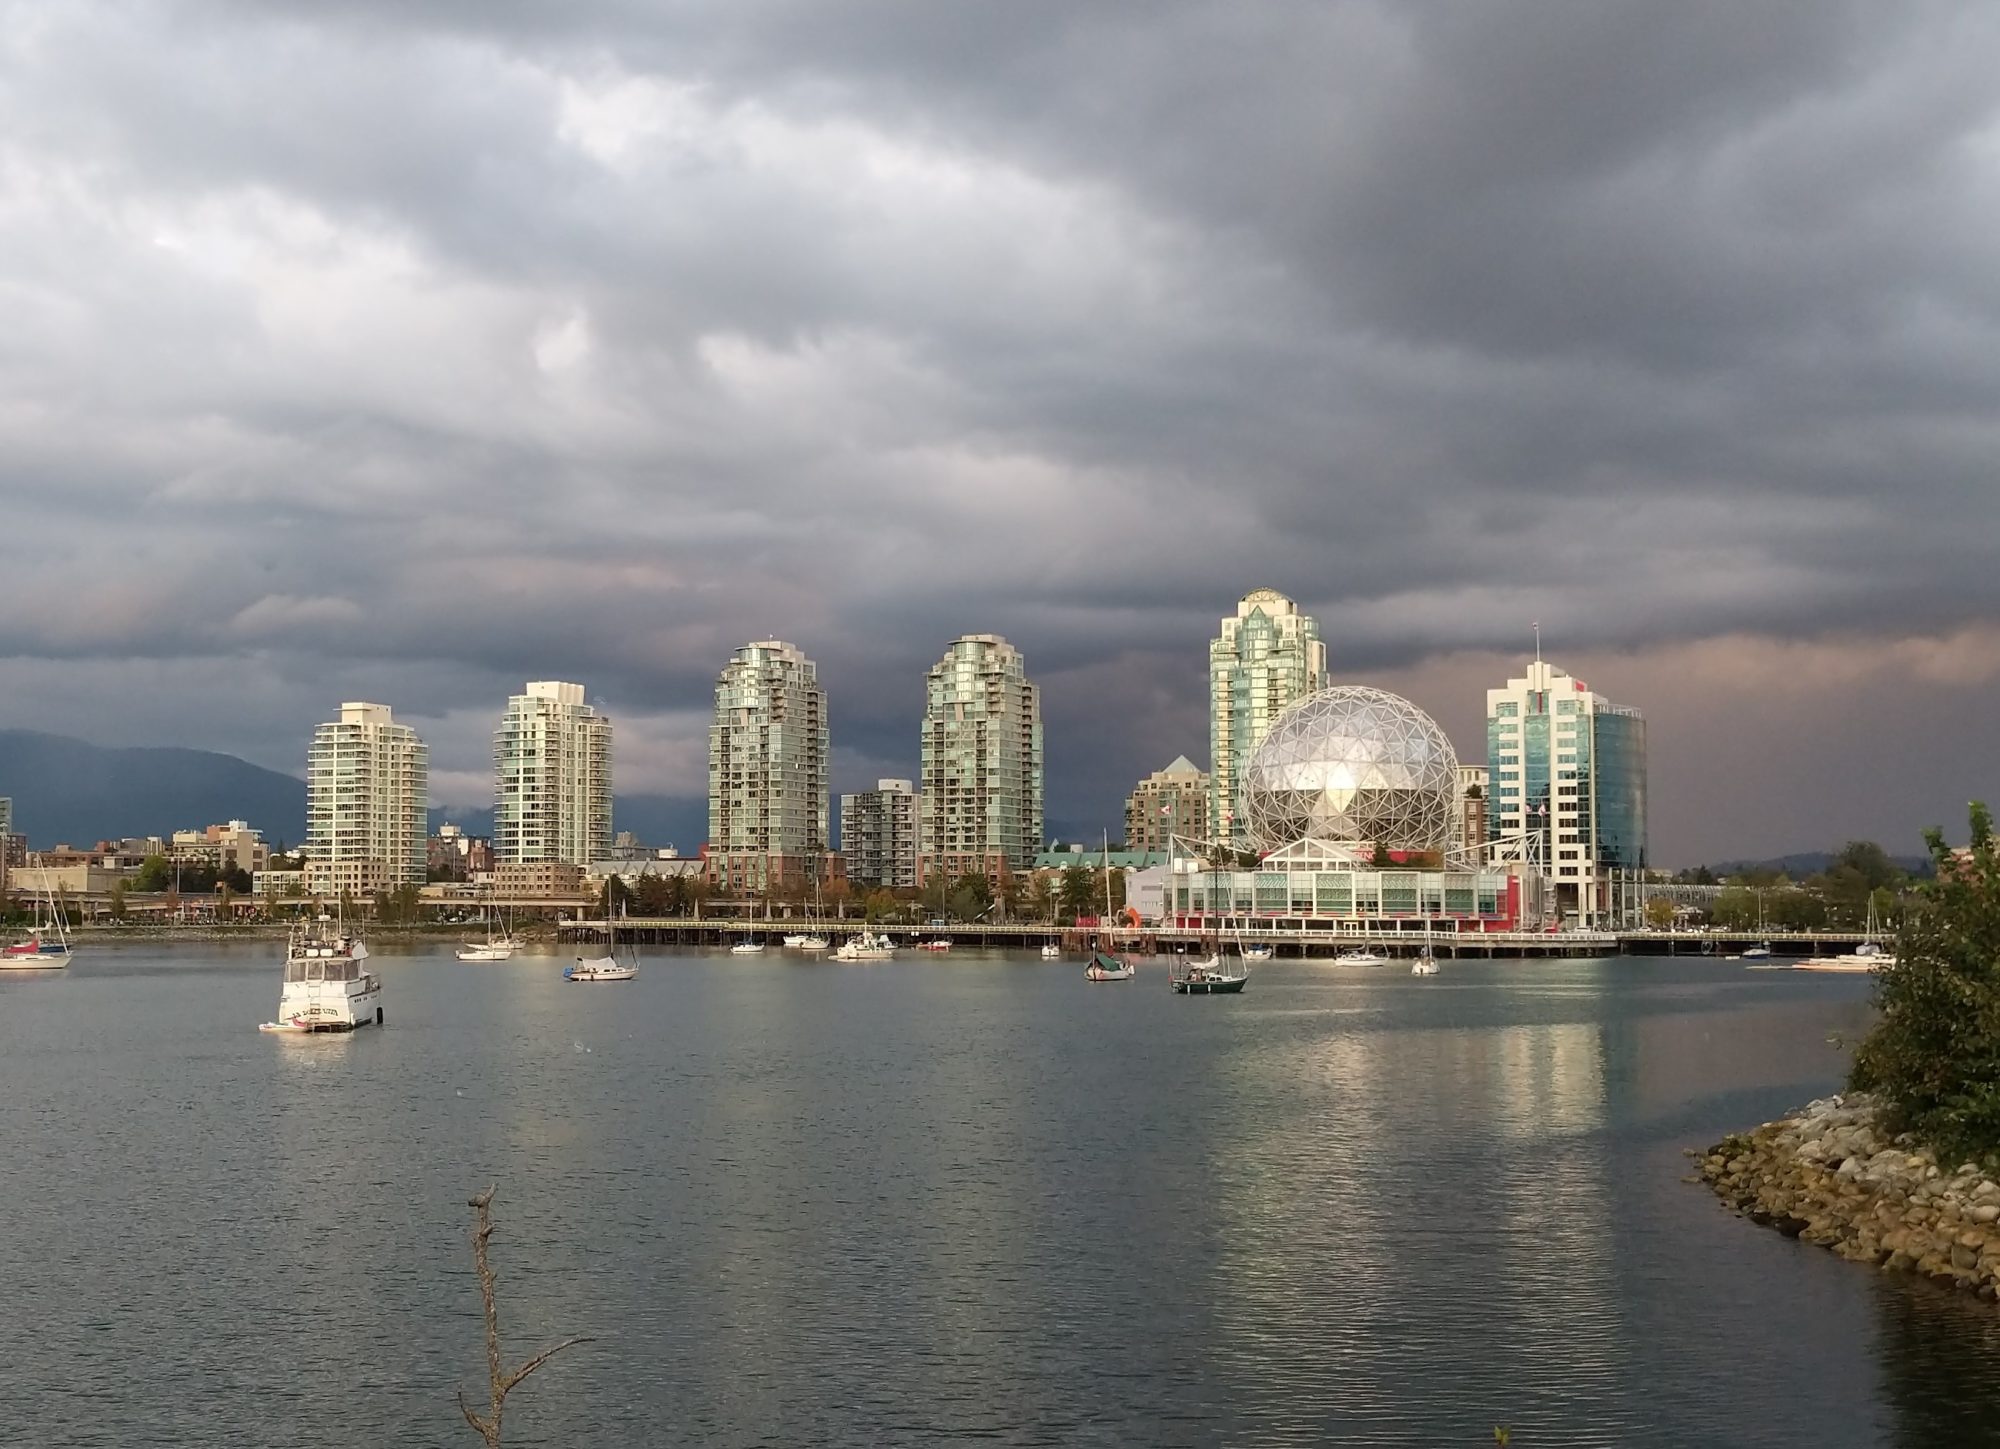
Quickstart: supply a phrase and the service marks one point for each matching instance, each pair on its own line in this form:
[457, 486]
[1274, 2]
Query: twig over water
[500, 1382]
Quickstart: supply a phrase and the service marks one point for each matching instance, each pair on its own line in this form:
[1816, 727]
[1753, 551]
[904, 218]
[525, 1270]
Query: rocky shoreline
[1830, 1174]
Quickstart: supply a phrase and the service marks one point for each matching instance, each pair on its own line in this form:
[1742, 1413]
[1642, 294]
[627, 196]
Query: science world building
[1351, 813]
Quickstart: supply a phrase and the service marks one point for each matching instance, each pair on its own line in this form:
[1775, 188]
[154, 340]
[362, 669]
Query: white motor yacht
[865, 947]
[328, 986]
[1866, 957]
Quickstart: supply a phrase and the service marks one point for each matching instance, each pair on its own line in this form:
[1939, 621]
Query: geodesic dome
[1355, 765]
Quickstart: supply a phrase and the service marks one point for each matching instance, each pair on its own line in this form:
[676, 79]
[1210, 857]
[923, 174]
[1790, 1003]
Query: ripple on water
[911, 1205]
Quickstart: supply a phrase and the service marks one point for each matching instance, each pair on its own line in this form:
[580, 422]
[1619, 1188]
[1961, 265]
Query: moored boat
[46, 947]
[1866, 957]
[498, 947]
[328, 985]
[865, 947]
[1360, 956]
[1255, 952]
[940, 944]
[601, 969]
[586, 969]
[1208, 978]
[1051, 951]
[1104, 966]
[747, 948]
[34, 953]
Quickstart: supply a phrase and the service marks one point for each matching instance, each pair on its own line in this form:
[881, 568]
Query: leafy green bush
[1934, 1057]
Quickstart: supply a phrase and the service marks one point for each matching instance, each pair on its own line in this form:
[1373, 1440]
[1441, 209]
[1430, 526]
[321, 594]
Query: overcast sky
[406, 350]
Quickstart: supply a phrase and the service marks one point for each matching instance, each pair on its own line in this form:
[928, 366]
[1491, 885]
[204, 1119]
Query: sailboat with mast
[495, 948]
[1426, 963]
[607, 967]
[46, 947]
[1108, 965]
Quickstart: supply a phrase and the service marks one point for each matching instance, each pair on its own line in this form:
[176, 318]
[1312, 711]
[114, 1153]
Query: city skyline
[416, 381]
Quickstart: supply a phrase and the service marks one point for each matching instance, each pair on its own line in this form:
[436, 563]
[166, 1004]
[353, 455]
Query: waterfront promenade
[1321, 939]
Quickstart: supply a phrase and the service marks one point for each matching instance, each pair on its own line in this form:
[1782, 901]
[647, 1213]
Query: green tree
[117, 906]
[156, 873]
[1735, 908]
[1934, 1055]
[972, 891]
[1381, 860]
[1659, 913]
[1078, 891]
[1794, 909]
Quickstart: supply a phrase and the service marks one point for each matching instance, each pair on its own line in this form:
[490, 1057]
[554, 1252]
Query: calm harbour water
[938, 1202]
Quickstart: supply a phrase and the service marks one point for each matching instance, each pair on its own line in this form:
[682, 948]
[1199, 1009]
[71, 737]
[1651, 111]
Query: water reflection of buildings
[1427, 1207]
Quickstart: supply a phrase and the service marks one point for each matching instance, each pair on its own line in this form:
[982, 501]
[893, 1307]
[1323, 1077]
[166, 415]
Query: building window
[1506, 709]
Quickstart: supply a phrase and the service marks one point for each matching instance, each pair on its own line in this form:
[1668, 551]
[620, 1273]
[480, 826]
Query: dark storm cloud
[411, 350]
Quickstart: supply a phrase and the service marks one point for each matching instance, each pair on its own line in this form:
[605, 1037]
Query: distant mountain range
[1810, 862]
[70, 792]
[67, 791]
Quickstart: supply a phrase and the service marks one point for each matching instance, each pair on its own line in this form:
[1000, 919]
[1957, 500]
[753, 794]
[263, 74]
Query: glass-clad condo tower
[1567, 782]
[980, 809]
[767, 771]
[1267, 657]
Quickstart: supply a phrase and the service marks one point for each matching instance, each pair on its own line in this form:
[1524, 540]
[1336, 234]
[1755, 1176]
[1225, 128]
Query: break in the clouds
[407, 351]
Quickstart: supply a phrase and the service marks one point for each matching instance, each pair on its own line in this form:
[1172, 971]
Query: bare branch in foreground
[500, 1383]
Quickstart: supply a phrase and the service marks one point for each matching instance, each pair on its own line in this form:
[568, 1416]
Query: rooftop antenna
[1538, 641]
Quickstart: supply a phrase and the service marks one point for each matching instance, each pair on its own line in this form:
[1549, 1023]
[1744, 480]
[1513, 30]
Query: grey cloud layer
[429, 347]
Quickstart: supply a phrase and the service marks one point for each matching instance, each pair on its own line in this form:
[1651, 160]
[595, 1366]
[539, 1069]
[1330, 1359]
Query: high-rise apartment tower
[1568, 781]
[981, 810]
[1168, 802]
[1267, 657]
[551, 778]
[878, 834]
[767, 771]
[367, 803]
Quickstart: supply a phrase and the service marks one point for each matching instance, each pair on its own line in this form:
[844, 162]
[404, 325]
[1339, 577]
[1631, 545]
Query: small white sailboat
[1257, 952]
[1360, 956]
[1426, 963]
[1051, 951]
[747, 948]
[606, 967]
[327, 985]
[494, 948]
